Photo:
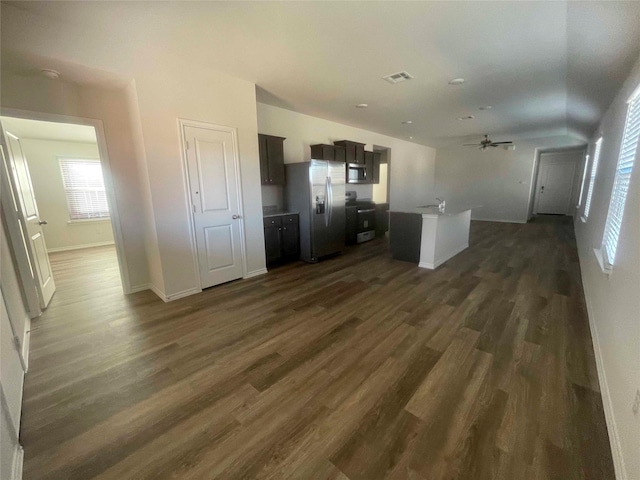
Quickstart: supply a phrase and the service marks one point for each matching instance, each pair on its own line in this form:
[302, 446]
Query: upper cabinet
[354, 151]
[271, 159]
[333, 153]
[374, 176]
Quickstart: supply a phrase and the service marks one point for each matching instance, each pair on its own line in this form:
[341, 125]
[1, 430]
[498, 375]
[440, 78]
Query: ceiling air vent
[398, 77]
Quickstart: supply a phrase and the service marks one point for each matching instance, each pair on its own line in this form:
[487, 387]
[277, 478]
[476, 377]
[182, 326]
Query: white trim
[81, 246]
[88, 220]
[182, 294]
[497, 220]
[18, 451]
[604, 265]
[140, 288]
[448, 256]
[116, 224]
[18, 462]
[158, 292]
[256, 273]
[614, 437]
[169, 298]
[182, 123]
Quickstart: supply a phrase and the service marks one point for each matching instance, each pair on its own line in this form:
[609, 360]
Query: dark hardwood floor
[360, 367]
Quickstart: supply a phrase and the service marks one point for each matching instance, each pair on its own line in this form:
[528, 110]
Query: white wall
[614, 301]
[499, 180]
[206, 96]
[411, 165]
[28, 92]
[43, 159]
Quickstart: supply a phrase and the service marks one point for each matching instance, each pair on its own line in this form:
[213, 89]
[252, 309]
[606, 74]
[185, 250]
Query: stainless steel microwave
[356, 173]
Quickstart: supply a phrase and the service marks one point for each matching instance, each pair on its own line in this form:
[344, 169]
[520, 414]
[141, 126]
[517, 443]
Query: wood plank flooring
[360, 367]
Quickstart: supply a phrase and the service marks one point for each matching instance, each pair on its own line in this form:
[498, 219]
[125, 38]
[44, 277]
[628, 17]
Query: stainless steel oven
[366, 222]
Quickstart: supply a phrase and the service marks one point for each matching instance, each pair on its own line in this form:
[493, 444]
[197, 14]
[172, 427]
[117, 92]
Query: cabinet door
[264, 159]
[375, 174]
[368, 167]
[290, 240]
[351, 225]
[359, 155]
[340, 154]
[275, 152]
[272, 244]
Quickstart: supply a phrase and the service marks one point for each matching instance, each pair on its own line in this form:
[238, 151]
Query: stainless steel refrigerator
[316, 190]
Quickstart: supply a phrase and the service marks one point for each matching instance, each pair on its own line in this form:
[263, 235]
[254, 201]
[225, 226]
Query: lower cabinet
[281, 238]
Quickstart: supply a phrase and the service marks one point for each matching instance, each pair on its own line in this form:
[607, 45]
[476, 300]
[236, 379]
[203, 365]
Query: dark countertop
[277, 214]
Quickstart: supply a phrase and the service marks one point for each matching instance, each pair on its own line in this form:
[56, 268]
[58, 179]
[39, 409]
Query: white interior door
[213, 168]
[31, 223]
[11, 380]
[555, 185]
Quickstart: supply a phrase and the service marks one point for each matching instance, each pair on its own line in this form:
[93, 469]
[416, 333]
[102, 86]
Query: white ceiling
[547, 68]
[40, 130]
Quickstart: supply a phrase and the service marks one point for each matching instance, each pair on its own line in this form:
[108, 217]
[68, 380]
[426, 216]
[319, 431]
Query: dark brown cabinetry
[333, 153]
[354, 151]
[374, 176]
[281, 238]
[271, 159]
[351, 225]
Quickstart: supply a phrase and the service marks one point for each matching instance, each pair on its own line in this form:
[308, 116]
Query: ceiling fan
[486, 143]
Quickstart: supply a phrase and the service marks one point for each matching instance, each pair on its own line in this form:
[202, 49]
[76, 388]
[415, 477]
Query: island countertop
[432, 212]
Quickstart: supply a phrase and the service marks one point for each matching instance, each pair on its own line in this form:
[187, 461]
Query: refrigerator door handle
[329, 201]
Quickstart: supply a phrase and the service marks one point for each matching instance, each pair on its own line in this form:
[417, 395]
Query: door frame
[535, 173]
[105, 163]
[182, 123]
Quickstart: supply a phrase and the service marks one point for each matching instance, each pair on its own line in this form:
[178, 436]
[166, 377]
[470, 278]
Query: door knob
[235, 217]
[43, 222]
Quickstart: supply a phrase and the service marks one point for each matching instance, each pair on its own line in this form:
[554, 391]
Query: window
[592, 178]
[584, 178]
[84, 189]
[621, 182]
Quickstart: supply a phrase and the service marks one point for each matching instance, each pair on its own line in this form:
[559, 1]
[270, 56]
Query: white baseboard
[78, 247]
[614, 438]
[18, 462]
[433, 266]
[158, 292]
[140, 288]
[497, 220]
[168, 298]
[255, 273]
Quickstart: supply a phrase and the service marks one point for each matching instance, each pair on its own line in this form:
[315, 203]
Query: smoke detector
[398, 77]
[51, 74]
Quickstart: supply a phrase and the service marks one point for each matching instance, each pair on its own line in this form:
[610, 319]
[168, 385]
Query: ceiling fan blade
[471, 144]
[499, 143]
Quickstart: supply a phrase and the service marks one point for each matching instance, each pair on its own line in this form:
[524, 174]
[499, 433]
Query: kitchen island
[427, 236]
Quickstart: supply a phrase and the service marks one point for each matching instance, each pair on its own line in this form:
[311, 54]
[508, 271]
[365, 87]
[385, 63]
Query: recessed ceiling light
[486, 107]
[52, 74]
[410, 138]
[468, 117]
[407, 122]
[362, 105]
[456, 81]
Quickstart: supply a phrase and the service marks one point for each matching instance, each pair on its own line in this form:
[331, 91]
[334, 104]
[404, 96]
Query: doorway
[556, 188]
[59, 175]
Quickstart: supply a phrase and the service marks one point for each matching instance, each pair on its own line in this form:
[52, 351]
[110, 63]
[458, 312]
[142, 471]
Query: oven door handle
[368, 210]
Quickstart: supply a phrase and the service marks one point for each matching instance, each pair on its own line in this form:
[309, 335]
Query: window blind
[592, 178]
[584, 179]
[621, 183]
[84, 189]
